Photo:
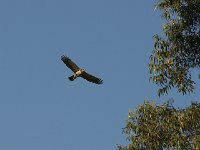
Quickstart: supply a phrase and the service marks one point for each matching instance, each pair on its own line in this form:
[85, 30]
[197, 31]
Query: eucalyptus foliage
[161, 127]
[177, 52]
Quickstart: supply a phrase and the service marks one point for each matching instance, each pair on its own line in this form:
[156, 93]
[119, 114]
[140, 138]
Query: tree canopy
[158, 127]
[178, 51]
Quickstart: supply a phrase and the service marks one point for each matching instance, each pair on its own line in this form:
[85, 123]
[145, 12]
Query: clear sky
[40, 109]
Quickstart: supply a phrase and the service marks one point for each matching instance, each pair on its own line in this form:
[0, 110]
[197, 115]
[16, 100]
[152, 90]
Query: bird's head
[82, 70]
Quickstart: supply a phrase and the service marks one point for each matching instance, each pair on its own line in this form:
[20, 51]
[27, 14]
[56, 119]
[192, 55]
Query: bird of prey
[78, 72]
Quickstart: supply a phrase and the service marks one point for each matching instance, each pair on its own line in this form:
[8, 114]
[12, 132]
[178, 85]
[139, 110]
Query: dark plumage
[78, 72]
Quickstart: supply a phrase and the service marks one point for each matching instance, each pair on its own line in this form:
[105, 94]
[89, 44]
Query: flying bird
[78, 72]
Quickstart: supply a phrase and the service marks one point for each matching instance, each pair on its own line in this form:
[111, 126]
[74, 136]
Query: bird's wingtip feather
[64, 57]
[100, 81]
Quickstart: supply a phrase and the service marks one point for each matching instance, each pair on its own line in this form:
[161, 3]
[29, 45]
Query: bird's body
[78, 72]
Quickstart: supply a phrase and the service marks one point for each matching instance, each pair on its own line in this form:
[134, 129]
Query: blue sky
[39, 107]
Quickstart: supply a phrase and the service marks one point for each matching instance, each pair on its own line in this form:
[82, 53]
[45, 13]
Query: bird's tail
[71, 78]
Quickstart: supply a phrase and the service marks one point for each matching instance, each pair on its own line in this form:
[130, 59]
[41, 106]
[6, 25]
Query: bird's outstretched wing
[69, 63]
[91, 78]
